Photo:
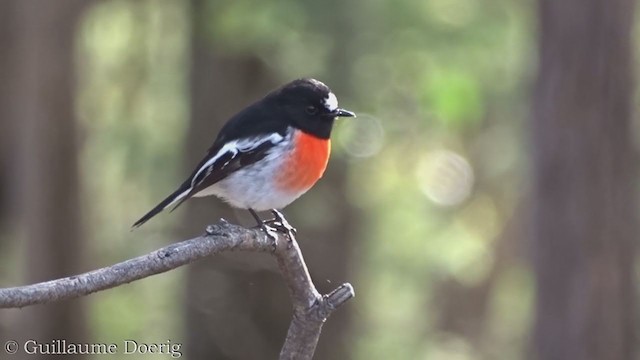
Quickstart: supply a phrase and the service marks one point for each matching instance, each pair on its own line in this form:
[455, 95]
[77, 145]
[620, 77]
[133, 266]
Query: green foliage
[453, 97]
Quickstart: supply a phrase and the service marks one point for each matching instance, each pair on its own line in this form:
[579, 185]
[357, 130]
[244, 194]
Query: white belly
[254, 186]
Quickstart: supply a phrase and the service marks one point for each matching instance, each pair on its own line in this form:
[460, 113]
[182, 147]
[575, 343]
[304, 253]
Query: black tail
[180, 194]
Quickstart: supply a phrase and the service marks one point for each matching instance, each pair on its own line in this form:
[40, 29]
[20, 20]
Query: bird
[267, 155]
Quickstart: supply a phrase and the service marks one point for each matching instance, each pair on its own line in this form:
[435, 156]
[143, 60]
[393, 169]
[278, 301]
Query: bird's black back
[260, 118]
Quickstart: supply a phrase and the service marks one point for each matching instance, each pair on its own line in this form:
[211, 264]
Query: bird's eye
[311, 110]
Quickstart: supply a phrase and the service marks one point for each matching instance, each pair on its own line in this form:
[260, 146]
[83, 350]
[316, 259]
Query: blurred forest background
[482, 204]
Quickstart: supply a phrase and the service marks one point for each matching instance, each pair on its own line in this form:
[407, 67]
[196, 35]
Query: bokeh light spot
[362, 136]
[453, 13]
[445, 177]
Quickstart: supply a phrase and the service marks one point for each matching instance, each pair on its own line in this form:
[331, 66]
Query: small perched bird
[268, 154]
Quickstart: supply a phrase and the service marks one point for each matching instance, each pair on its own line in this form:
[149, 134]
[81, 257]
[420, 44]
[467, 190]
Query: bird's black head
[309, 105]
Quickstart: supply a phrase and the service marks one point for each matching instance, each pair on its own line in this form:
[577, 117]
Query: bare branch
[310, 309]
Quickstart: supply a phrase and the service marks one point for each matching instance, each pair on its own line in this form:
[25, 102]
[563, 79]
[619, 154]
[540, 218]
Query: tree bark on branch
[310, 308]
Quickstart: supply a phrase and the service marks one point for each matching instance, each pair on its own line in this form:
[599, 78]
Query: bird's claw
[281, 224]
[272, 227]
[271, 233]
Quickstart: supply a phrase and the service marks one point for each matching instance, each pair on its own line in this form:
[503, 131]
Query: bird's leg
[256, 217]
[280, 223]
[270, 232]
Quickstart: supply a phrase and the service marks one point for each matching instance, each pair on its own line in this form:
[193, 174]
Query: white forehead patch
[331, 102]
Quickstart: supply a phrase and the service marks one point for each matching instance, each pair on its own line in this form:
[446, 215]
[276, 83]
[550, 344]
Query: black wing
[215, 167]
[227, 163]
[260, 121]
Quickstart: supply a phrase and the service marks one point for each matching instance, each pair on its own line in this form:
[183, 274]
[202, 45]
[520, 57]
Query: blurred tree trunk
[584, 174]
[6, 125]
[6, 136]
[237, 305]
[40, 104]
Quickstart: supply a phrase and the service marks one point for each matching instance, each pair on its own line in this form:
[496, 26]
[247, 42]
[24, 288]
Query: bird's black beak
[345, 113]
